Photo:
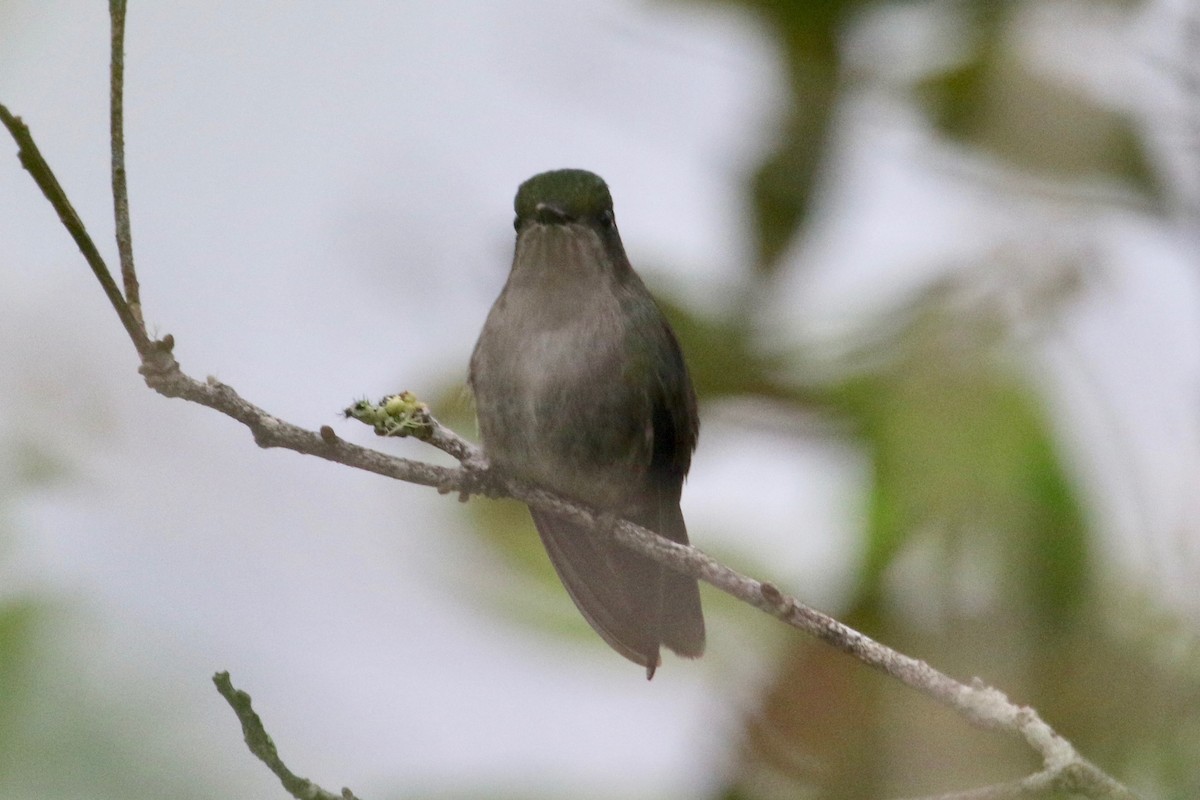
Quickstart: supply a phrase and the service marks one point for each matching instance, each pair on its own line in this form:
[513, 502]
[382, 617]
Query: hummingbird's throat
[569, 252]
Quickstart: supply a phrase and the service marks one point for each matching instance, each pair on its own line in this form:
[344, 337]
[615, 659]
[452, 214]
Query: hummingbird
[581, 387]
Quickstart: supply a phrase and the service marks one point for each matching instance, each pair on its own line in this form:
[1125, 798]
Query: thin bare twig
[31, 158]
[116, 10]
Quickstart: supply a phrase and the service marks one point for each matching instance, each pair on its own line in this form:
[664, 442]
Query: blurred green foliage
[18, 619]
[996, 102]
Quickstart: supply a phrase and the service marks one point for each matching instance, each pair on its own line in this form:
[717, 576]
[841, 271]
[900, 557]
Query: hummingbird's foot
[475, 477]
[606, 525]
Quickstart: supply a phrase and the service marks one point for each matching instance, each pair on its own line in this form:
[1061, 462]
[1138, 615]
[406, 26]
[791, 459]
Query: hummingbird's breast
[557, 395]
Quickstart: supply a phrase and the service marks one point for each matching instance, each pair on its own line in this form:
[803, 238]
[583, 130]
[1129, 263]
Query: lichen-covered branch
[263, 747]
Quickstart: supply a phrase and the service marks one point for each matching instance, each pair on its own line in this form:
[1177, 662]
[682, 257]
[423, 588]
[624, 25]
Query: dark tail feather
[682, 619]
[613, 588]
[634, 604]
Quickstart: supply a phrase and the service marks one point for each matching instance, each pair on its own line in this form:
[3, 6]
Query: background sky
[321, 205]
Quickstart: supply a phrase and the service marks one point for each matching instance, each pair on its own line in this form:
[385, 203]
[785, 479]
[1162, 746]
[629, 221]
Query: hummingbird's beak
[550, 214]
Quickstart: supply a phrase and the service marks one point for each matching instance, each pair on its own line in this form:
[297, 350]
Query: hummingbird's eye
[516, 223]
[606, 218]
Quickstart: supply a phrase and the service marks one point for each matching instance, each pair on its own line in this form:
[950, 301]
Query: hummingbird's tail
[682, 623]
[632, 602]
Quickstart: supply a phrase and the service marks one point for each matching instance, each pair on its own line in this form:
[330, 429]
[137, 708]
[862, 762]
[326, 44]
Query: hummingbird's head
[564, 197]
[566, 230]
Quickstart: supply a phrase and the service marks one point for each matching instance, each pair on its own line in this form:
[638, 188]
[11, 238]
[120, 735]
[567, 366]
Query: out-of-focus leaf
[781, 188]
[961, 449]
[953, 97]
[36, 464]
[995, 101]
